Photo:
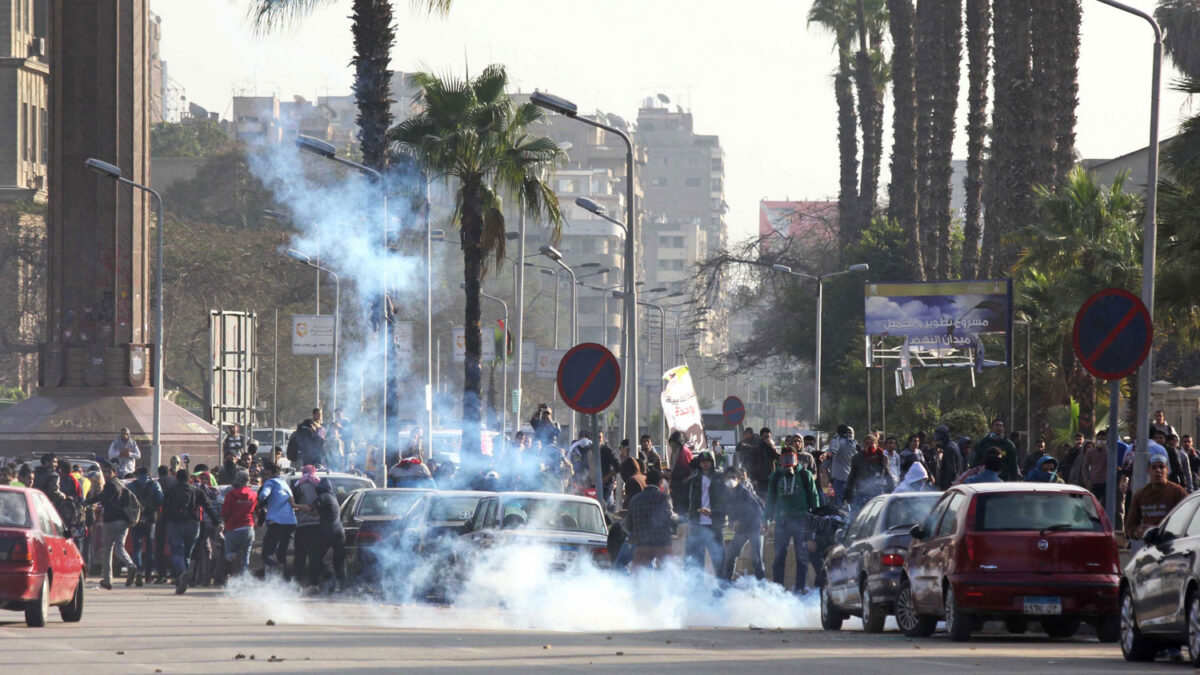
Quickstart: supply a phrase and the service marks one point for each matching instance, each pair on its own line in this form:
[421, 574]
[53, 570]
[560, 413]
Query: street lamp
[322, 149]
[554, 255]
[337, 314]
[662, 341]
[113, 171]
[287, 218]
[820, 279]
[564, 107]
[504, 365]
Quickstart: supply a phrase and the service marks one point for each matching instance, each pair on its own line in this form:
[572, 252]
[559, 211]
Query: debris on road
[270, 622]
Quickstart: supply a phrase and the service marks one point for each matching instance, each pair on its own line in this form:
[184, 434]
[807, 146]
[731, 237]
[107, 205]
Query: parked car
[39, 564]
[570, 524]
[862, 570]
[370, 514]
[1014, 552]
[269, 438]
[425, 542]
[1160, 588]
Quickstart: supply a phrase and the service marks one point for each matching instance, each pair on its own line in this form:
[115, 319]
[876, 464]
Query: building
[788, 223]
[24, 99]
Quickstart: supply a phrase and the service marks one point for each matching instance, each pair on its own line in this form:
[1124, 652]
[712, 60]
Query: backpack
[130, 505]
[293, 446]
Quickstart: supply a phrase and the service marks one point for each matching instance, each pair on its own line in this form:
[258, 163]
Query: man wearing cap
[706, 514]
[1155, 500]
[123, 453]
[791, 494]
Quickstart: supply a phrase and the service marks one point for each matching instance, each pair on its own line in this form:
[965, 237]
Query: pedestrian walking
[869, 476]
[237, 513]
[278, 509]
[746, 518]
[180, 511]
[150, 496]
[1155, 500]
[706, 515]
[791, 494]
[121, 510]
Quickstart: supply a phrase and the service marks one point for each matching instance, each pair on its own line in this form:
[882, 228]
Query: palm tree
[1086, 238]
[374, 36]
[473, 133]
[979, 27]
[1180, 20]
[946, 43]
[837, 17]
[870, 76]
[902, 192]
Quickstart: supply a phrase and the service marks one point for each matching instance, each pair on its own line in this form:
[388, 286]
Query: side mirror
[1150, 537]
[840, 535]
[917, 532]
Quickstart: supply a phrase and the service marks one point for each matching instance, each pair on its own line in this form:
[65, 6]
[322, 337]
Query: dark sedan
[422, 547]
[1160, 588]
[862, 571]
[369, 515]
[571, 525]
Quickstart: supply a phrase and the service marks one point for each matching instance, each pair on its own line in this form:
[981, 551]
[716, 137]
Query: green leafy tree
[473, 133]
[193, 138]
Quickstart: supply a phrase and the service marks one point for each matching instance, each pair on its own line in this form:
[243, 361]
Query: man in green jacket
[997, 439]
[791, 494]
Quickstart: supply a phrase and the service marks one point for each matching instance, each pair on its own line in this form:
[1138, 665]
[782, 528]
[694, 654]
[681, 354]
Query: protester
[706, 515]
[634, 480]
[950, 461]
[791, 494]
[1095, 467]
[237, 513]
[150, 495]
[681, 470]
[996, 439]
[650, 524]
[916, 479]
[545, 429]
[166, 480]
[1155, 500]
[123, 453]
[180, 506]
[1046, 471]
[1159, 423]
[121, 510]
[304, 495]
[307, 444]
[1071, 465]
[868, 477]
[647, 453]
[410, 472]
[989, 472]
[275, 502]
[1030, 463]
[745, 510]
[329, 535]
[844, 450]
[234, 442]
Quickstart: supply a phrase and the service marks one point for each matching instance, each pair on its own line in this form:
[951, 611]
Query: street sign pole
[1114, 436]
[589, 378]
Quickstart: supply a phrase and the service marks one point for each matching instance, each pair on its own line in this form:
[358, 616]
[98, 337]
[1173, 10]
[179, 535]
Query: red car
[1017, 552]
[39, 564]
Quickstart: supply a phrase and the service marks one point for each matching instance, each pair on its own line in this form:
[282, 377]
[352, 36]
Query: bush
[970, 422]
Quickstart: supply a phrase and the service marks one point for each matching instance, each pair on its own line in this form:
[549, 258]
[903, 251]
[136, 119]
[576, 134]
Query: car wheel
[873, 615]
[1134, 645]
[73, 610]
[1108, 629]
[1060, 628]
[912, 623]
[958, 622]
[36, 610]
[831, 618]
[1016, 625]
[1193, 627]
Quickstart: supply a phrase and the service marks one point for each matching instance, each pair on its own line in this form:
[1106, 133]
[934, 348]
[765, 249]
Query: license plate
[1042, 605]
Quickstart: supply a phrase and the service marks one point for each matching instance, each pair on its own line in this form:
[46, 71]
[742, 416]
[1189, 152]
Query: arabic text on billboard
[939, 314]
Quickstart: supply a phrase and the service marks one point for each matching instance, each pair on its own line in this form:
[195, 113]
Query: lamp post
[662, 340]
[820, 279]
[569, 109]
[323, 149]
[1149, 237]
[503, 357]
[337, 312]
[554, 255]
[113, 171]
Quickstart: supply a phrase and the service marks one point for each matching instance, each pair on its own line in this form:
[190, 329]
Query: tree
[1180, 21]
[836, 17]
[902, 191]
[979, 27]
[374, 36]
[471, 131]
[939, 47]
[1086, 239]
[191, 138]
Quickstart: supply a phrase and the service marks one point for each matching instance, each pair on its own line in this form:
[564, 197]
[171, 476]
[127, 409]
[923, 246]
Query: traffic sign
[589, 378]
[733, 410]
[1113, 333]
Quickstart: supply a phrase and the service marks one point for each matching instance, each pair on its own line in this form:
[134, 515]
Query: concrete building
[24, 100]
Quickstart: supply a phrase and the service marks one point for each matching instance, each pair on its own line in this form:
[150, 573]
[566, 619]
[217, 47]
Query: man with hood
[705, 499]
[950, 464]
[329, 534]
[1046, 471]
[150, 495]
[307, 444]
[844, 450]
[916, 479]
[746, 518]
[791, 494]
[869, 476]
[996, 439]
[123, 453]
[990, 473]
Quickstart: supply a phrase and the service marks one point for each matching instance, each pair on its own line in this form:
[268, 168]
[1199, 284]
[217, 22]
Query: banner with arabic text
[682, 408]
[942, 315]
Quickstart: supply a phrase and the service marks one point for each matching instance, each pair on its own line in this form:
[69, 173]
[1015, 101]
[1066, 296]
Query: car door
[940, 551]
[1180, 567]
[858, 550]
[1167, 568]
[835, 561]
[919, 570]
[62, 561]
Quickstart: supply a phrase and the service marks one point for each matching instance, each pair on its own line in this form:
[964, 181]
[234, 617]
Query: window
[908, 511]
[950, 519]
[658, 182]
[1193, 528]
[1178, 521]
[930, 522]
[45, 146]
[452, 509]
[1016, 511]
[389, 503]
[671, 265]
[864, 524]
[13, 510]
[693, 182]
[24, 115]
[668, 241]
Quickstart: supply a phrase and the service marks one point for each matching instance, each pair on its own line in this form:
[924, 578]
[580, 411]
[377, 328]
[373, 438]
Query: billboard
[312, 334]
[232, 370]
[547, 363]
[808, 222]
[942, 315]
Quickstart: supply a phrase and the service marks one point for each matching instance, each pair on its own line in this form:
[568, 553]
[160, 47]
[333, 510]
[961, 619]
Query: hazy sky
[750, 71]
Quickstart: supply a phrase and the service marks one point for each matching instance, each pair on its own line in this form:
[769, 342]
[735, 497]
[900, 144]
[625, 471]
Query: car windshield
[387, 503]
[1012, 511]
[14, 512]
[457, 509]
[908, 511]
[552, 514]
[343, 485]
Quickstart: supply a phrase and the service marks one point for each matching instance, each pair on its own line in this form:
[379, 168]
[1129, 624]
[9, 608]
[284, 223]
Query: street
[150, 630]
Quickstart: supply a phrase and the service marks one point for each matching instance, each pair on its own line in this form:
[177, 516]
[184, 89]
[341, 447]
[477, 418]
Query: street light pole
[569, 109]
[554, 255]
[337, 312]
[820, 279]
[503, 358]
[323, 149]
[1149, 237]
[114, 172]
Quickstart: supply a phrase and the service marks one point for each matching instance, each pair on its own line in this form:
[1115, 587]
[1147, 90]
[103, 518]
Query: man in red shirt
[238, 514]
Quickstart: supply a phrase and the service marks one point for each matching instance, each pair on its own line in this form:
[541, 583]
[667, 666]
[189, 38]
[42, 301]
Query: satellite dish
[664, 98]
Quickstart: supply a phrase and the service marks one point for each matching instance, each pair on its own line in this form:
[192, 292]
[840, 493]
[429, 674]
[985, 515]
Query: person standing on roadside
[180, 511]
[275, 499]
[329, 535]
[237, 512]
[844, 448]
[746, 518]
[1155, 500]
[705, 498]
[791, 494]
[234, 442]
[166, 481]
[996, 439]
[123, 453]
[304, 493]
[121, 510]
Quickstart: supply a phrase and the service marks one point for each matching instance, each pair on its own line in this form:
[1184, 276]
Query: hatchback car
[1014, 552]
[1160, 587]
[862, 570]
[39, 564]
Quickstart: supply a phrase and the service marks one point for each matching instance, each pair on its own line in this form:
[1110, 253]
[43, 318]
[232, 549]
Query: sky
[751, 72]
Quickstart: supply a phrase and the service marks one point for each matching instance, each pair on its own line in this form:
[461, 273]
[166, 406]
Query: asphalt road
[150, 630]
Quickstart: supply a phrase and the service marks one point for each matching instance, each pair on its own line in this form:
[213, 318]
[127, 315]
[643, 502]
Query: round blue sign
[1113, 333]
[733, 410]
[589, 378]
